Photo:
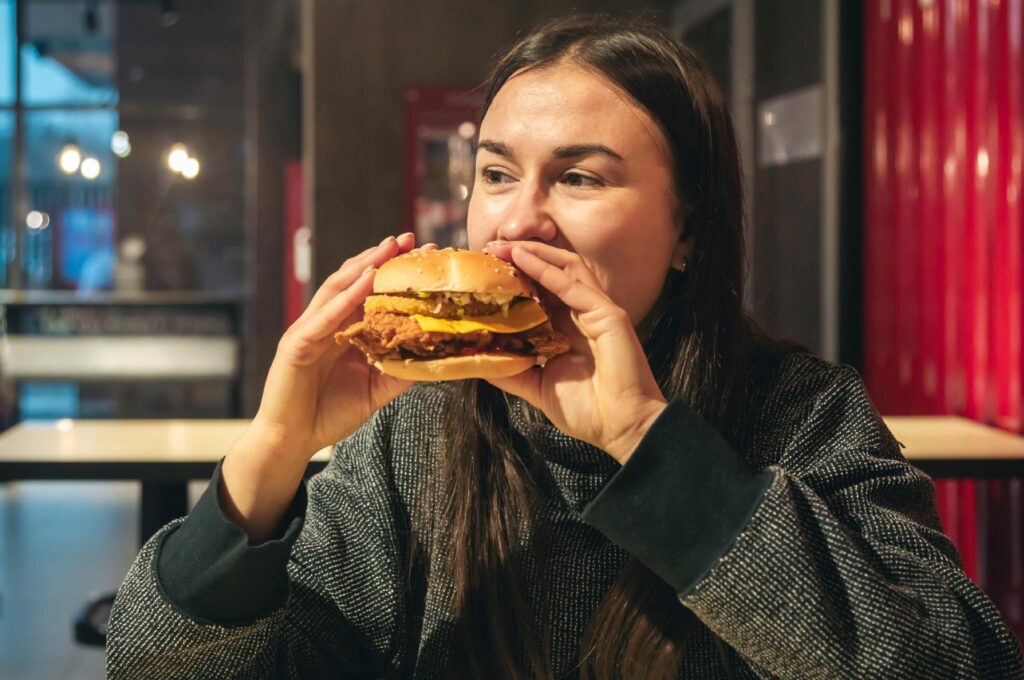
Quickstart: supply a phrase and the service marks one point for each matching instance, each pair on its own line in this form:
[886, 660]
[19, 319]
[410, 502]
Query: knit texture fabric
[839, 570]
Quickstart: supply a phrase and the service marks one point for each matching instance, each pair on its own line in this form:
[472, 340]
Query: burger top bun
[452, 270]
[457, 368]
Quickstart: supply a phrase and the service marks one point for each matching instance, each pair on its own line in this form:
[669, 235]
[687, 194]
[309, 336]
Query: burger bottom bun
[457, 368]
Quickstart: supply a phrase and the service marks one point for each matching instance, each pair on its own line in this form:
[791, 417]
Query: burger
[452, 314]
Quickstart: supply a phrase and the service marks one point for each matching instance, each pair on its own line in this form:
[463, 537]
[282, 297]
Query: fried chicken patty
[386, 335]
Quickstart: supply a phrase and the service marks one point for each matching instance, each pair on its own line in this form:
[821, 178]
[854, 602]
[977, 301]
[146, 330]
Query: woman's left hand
[602, 390]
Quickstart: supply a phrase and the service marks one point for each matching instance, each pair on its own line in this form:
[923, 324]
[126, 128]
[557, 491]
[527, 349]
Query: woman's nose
[528, 218]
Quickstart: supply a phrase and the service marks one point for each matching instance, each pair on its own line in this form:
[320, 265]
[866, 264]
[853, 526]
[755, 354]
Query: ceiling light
[176, 157]
[69, 159]
[190, 169]
[90, 168]
[120, 144]
[37, 220]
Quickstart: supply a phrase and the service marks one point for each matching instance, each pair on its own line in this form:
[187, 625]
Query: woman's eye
[491, 176]
[575, 179]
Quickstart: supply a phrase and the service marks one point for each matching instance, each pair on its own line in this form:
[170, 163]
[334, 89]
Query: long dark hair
[698, 347]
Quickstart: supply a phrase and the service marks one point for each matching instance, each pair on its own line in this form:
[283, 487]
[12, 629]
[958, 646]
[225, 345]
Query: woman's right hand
[317, 392]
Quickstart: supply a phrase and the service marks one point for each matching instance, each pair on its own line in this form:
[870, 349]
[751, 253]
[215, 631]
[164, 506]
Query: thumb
[525, 385]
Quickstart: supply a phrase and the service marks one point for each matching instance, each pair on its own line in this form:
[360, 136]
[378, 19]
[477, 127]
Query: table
[162, 454]
[165, 454]
[950, 446]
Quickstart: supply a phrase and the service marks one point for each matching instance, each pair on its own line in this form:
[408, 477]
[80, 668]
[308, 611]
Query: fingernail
[407, 235]
[385, 241]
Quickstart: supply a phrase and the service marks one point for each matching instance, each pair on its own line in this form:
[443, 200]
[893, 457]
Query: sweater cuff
[206, 568]
[681, 499]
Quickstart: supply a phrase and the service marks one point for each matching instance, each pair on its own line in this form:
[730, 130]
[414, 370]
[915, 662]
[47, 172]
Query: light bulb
[190, 169]
[90, 168]
[176, 157]
[69, 159]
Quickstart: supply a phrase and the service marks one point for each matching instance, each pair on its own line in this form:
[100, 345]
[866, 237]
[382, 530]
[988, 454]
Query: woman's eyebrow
[580, 150]
[497, 148]
[560, 152]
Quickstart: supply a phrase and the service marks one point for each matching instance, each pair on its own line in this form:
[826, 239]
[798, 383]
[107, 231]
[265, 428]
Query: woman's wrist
[624, 445]
[259, 478]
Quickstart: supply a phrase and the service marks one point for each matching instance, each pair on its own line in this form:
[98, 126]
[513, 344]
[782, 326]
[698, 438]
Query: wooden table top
[941, 445]
[148, 450]
[952, 437]
[151, 441]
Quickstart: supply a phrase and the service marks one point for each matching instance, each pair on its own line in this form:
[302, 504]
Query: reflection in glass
[6, 228]
[106, 90]
[447, 176]
[75, 249]
[65, 58]
[6, 52]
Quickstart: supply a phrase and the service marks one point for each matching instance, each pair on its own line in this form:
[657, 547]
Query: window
[6, 52]
[90, 198]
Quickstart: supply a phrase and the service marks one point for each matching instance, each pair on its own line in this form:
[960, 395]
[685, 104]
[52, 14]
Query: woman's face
[568, 159]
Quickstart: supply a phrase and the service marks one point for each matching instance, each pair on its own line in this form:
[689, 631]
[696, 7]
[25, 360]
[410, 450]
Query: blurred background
[176, 177]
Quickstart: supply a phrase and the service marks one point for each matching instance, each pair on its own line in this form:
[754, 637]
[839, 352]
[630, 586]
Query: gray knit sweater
[813, 553]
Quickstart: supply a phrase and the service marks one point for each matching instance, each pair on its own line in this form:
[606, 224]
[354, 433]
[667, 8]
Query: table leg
[161, 502]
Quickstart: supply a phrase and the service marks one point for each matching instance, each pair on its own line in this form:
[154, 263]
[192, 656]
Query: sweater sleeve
[199, 601]
[829, 563]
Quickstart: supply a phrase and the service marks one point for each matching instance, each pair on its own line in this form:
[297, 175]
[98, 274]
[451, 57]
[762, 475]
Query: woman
[674, 497]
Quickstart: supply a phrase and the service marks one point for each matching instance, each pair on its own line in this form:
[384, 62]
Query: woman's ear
[682, 253]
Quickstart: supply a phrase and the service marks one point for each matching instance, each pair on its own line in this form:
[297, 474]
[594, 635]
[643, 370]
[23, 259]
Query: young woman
[674, 497]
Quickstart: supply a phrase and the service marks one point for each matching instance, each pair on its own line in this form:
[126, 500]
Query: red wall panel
[944, 147]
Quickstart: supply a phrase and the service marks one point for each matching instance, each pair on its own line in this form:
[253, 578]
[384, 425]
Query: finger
[604, 325]
[328, 319]
[355, 317]
[406, 241]
[352, 268]
[559, 257]
[594, 321]
[575, 294]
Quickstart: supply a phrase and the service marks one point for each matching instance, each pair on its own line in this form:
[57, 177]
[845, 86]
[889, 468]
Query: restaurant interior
[178, 176]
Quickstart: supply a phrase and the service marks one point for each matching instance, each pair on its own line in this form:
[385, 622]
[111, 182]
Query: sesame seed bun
[452, 270]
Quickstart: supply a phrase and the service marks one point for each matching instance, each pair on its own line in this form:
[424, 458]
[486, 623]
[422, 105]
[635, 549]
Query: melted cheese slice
[521, 317]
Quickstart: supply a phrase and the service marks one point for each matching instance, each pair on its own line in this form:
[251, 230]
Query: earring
[681, 268]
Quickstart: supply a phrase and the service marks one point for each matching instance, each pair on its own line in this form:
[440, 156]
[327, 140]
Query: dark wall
[712, 37]
[851, 186]
[273, 96]
[786, 221]
[358, 58]
[183, 84]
